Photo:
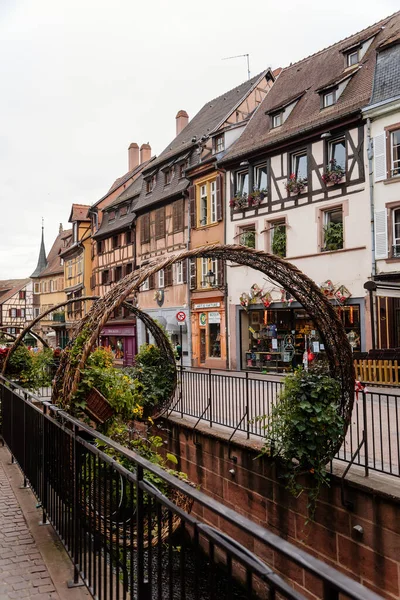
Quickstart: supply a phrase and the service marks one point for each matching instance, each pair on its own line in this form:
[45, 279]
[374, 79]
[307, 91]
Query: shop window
[247, 236]
[299, 165]
[115, 345]
[332, 230]
[242, 182]
[261, 177]
[214, 337]
[278, 238]
[337, 152]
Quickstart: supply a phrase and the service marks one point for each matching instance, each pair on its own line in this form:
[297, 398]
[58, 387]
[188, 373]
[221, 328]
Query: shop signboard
[207, 305]
[202, 319]
[214, 317]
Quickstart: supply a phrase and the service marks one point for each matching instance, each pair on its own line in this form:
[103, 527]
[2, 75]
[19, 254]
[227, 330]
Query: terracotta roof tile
[79, 212]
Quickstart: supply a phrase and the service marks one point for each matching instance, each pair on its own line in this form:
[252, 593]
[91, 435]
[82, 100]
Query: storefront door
[202, 345]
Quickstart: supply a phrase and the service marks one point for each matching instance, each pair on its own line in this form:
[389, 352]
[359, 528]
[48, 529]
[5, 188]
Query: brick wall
[371, 558]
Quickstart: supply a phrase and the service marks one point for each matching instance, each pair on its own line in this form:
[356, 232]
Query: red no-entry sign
[180, 316]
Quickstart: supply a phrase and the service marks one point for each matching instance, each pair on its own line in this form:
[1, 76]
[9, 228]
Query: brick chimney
[145, 153]
[133, 156]
[182, 119]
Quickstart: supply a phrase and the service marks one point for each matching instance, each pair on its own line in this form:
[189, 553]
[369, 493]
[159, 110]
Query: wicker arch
[32, 323]
[301, 287]
[14, 337]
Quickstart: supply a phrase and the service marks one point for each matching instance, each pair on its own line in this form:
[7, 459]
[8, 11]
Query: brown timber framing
[354, 156]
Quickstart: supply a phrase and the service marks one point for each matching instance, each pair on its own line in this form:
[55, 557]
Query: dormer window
[111, 216]
[329, 98]
[353, 58]
[277, 120]
[123, 210]
[167, 176]
[219, 144]
[150, 184]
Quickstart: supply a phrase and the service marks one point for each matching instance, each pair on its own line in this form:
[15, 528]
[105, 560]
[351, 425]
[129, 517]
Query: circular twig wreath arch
[14, 337]
[301, 287]
[156, 331]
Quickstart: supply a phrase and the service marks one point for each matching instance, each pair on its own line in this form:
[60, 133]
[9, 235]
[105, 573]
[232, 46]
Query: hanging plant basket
[97, 407]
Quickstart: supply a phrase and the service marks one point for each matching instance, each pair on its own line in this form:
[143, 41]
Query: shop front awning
[387, 289]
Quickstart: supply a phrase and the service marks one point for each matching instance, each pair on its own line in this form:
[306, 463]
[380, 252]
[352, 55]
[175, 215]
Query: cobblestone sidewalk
[23, 573]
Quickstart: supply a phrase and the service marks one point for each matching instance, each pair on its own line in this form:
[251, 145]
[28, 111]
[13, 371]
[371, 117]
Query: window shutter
[18, 312]
[193, 274]
[9, 312]
[151, 282]
[168, 276]
[380, 156]
[381, 236]
[145, 229]
[184, 270]
[160, 223]
[192, 205]
[220, 272]
[219, 185]
[177, 215]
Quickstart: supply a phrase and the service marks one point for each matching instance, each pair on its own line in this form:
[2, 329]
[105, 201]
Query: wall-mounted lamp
[326, 135]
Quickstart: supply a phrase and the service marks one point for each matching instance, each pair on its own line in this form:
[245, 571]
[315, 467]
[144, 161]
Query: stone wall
[371, 557]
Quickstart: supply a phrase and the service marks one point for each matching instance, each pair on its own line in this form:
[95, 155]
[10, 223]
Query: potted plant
[239, 201]
[295, 185]
[333, 237]
[333, 173]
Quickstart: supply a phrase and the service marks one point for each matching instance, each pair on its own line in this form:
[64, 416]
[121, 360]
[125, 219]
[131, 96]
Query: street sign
[180, 316]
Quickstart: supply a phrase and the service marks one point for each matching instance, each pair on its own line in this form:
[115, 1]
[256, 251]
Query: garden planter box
[97, 407]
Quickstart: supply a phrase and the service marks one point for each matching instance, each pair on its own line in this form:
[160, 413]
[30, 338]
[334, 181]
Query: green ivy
[303, 430]
[32, 369]
[333, 236]
[279, 241]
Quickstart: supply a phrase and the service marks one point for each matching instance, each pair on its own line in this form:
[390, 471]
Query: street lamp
[210, 278]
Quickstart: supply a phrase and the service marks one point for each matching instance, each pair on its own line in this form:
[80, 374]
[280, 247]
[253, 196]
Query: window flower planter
[252, 200]
[333, 173]
[295, 185]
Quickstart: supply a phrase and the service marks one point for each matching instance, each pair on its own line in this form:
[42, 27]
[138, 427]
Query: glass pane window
[179, 272]
[337, 152]
[145, 285]
[213, 193]
[161, 278]
[299, 165]
[260, 177]
[395, 151]
[242, 182]
[333, 230]
[203, 205]
[396, 232]
[278, 239]
[214, 340]
[352, 58]
[219, 144]
[247, 236]
[277, 120]
[329, 99]
[204, 271]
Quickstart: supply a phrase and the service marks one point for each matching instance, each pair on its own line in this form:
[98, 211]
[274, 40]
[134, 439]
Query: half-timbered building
[297, 186]
[165, 224]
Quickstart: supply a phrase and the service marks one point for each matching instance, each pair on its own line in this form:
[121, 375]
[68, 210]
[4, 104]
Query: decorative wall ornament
[159, 297]
[340, 293]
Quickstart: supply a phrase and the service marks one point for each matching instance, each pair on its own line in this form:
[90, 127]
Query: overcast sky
[81, 79]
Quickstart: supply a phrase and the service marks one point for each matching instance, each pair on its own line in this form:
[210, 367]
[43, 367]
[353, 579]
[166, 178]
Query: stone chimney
[182, 119]
[133, 156]
[145, 153]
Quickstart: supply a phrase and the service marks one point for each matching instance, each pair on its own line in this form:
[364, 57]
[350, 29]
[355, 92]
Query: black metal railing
[236, 400]
[126, 523]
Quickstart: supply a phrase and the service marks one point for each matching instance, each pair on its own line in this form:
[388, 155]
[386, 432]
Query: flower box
[295, 185]
[97, 407]
[333, 174]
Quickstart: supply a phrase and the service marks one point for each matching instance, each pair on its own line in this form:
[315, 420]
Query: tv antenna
[247, 56]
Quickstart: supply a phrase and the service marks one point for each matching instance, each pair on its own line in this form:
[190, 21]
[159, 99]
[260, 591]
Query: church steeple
[42, 261]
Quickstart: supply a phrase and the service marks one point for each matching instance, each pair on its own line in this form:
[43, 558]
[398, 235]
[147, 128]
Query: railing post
[43, 495]
[247, 406]
[75, 517]
[181, 388]
[210, 396]
[143, 586]
[365, 432]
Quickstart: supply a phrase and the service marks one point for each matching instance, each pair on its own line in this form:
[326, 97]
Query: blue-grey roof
[42, 261]
[387, 75]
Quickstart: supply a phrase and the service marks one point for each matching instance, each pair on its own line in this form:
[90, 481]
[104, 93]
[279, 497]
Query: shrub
[303, 430]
